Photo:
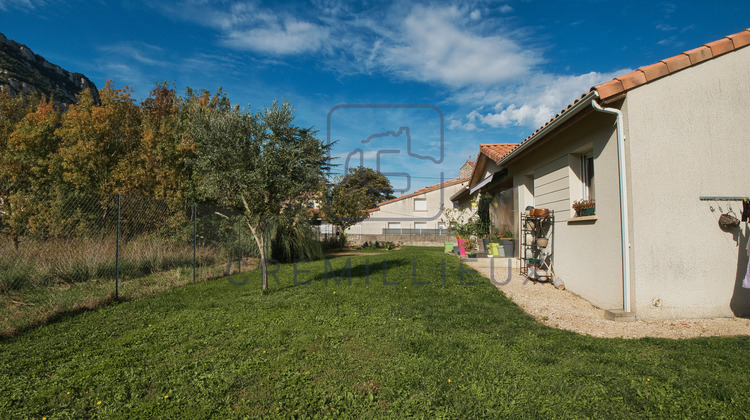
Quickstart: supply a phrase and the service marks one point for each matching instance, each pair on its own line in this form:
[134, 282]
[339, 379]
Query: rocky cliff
[23, 71]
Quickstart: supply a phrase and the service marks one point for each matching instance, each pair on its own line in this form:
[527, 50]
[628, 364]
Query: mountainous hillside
[23, 71]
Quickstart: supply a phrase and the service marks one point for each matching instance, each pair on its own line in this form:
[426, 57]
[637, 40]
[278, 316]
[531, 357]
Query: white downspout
[623, 204]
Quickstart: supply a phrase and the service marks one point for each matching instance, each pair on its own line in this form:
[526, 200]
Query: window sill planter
[588, 212]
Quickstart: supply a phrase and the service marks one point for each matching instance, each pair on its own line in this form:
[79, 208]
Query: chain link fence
[83, 250]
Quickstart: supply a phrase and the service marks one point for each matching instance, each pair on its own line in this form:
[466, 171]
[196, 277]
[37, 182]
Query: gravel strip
[565, 310]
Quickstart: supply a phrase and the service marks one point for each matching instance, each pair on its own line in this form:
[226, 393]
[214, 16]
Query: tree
[155, 166]
[259, 165]
[375, 186]
[96, 138]
[13, 110]
[348, 200]
[30, 172]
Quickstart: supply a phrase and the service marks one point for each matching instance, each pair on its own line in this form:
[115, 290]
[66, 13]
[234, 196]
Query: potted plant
[584, 207]
[471, 247]
[463, 223]
[506, 238]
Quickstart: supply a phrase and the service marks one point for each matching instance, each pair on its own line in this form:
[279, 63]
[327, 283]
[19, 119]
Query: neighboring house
[646, 146]
[418, 212]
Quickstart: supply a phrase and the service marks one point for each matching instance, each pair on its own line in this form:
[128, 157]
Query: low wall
[415, 240]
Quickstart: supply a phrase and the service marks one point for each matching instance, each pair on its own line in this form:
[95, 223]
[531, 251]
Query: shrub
[15, 275]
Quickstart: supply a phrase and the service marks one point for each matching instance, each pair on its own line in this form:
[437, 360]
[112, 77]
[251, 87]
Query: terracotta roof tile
[655, 71]
[677, 62]
[658, 70]
[672, 64]
[699, 54]
[611, 88]
[437, 186]
[721, 46]
[632, 79]
[740, 39]
[496, 151]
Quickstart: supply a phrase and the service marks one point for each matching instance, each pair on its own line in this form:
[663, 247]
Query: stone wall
[414, 240]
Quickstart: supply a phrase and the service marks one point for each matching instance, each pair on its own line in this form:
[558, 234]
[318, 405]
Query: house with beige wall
[417, 213]
[660, 150]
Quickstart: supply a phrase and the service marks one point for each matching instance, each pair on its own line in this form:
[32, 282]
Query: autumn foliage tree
[96, 138]
[198, 148]
[13, 109]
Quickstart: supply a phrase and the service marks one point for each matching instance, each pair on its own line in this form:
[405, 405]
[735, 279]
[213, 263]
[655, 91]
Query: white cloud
[454, 46]
[488, 67]
[279, 38]
[531, 104]
[245, 26]
[136, 51]
[665, 27]
[670, 42]
[26, 5]
[436, 45]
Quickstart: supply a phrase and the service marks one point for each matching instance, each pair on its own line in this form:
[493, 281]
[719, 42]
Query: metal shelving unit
[535, 228]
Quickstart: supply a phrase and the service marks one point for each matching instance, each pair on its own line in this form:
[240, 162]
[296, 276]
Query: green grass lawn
[408, 343]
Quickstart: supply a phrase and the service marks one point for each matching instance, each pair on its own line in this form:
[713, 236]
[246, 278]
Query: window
[420, 204]
[420, 225]
[587, 175]
[394, 225]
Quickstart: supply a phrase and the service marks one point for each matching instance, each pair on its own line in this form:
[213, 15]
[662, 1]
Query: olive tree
[259, 165]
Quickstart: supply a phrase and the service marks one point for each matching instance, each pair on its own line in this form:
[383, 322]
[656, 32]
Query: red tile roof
[496, 151]
[671, 65]
[620, 85]
[437, 186]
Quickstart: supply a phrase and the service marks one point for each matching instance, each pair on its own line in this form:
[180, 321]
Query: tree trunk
[259, 241]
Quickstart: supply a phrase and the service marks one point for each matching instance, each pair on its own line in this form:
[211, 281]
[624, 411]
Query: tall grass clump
[46, 277]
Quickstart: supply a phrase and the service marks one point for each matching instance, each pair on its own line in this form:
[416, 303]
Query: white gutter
[623, 202]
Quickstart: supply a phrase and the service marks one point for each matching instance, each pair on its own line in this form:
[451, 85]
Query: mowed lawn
[410, 343]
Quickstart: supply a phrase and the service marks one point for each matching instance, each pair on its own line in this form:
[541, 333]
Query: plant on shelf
[505, 233]
[470, 245]
[584, 207]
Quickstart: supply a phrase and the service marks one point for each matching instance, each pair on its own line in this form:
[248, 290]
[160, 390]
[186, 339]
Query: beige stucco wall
[402, 211]
[587, 255]
[688, 135]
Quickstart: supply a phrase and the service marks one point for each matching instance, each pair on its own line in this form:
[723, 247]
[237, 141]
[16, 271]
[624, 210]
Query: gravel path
[565, 310]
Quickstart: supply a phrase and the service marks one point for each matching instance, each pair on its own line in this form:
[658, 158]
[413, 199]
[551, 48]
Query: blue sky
[459, 73]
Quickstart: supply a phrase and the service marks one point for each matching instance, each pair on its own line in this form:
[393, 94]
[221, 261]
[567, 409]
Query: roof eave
[459, 193]
[582, 104]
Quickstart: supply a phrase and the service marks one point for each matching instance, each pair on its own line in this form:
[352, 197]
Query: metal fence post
[117, 249]
[195, 236]
[239, 244]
